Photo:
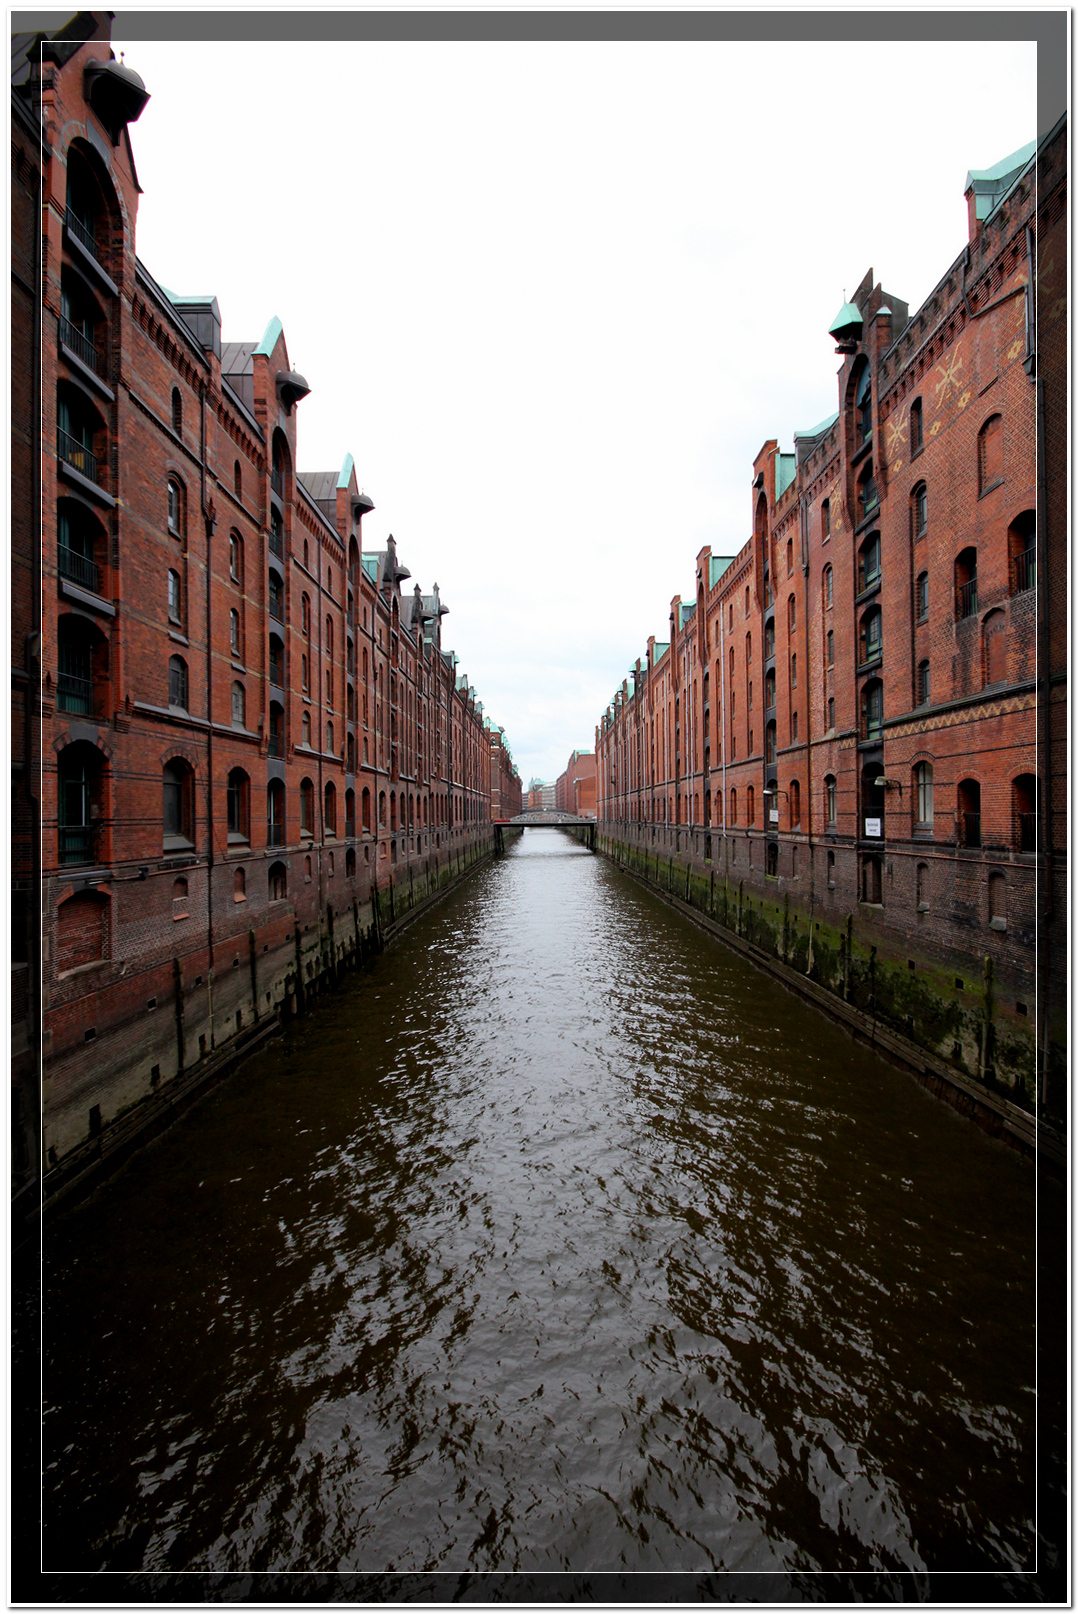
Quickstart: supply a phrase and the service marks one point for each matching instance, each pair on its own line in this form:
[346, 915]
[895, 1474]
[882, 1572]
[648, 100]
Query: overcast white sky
[553, 297]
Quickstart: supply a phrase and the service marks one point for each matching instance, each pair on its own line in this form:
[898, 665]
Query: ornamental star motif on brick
[947, 370]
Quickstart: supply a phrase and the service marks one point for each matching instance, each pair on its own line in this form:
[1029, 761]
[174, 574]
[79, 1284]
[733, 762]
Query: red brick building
[254, 747]
[861, 711]
[574, 790]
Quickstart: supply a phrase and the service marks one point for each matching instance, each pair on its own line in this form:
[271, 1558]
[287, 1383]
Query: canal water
[560, 1240]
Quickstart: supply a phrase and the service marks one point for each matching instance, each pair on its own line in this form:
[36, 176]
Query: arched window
[862, 400]
[239, 705]
[990, 453]
[969, 813]
[748, 650]
[330, 865]
[1024, 798]
[917, 427]
[178, 802]
[733, 804]
[308, 867]
[747, 612]
[924, 682]
[329, 637]
[829, 648]
[872, 710]
[750, 804]
[769, 690]
[305, 675]
[276, 597]
[919, 511]
[830, 871]
[307, 616]
[997, 901]
[237, 479]
[769, 638]
[177, 682]
[825, 519]
[382, 808]
[771, 742]
[350, 863]
[177, 411]
[1022, 552]
[180, 908]
[306, 807]
[789, 557]
[235, 555]
[275, 806]
[870, 644]
[831, 798]
[830, 711]
[239, 805]
[276, 660]
[329, 739]
[393, 811]
[235, 644]
[305, 729]
[795, 804]
[828, 587]
[278, 882]
[239, 886]
[868, 568]
[791, 616]
[366, 799]
[175, 601]
[965, 584]
[922, 596]
[331, 808]
[924, 813]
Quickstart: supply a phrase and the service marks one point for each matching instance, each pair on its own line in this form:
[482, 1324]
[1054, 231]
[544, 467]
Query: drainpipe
[209, 517]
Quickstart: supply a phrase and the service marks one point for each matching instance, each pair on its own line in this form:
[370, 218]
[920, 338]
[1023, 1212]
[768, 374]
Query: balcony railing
[277, 481]
[276, 608]
[965, 599]
[83, 231]
[970, 827]
[1025, 571]
[350, 828]
[78, 568]
[1027, 832]
[77, 844]
[80, 344]
[274, 834]
[276, 744]
[75, 454]
[276, 542]
[75, 694]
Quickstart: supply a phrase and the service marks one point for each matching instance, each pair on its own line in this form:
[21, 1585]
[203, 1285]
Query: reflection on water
[561, 1239]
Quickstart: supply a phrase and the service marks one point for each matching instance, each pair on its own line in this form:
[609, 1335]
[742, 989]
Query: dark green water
[561, 1239]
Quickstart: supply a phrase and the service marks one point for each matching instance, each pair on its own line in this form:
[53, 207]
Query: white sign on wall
[774, 815]
[873, 826]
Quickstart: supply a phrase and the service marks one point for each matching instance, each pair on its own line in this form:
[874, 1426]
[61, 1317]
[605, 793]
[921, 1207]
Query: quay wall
[950, 1017]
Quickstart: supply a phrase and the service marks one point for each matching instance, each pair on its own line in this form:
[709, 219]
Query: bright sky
[554, 297]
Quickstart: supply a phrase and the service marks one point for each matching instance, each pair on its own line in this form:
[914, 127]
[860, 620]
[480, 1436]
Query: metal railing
[77, 844]
[274, 834]
[276, 542]
[965, 599]
[75, 694]
[276, 743]
[276, 608]
[1027, 832]
[83, 231]
[76, 454]
[970, 827]
[277, 481]
[80, 344]
[78, 568]
[1025, 571]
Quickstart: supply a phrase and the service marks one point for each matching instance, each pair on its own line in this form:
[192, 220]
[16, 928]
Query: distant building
[575, 788]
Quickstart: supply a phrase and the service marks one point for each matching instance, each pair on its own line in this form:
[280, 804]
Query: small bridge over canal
[539, 818]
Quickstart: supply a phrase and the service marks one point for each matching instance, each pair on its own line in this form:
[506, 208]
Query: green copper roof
[1001, 170]
[660, 652]
[716, 565]
[274, 330]
[817, 431]
[849, 314]
[346, 472]
[370, 566]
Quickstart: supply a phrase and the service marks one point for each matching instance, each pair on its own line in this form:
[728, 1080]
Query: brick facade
[254, 743]
[859, 715]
